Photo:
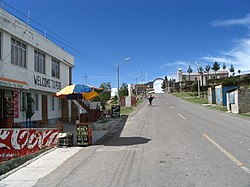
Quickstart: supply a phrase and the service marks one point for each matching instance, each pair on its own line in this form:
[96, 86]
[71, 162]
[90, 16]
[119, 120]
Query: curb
[137, 109]
[26, 163]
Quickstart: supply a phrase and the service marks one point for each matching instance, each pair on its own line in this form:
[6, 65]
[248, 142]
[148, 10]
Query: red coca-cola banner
[19, 142]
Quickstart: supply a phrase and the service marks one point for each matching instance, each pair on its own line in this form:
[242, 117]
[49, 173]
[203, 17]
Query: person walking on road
[150, 99]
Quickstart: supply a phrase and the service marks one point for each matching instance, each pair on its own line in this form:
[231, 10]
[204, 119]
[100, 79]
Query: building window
[55, 69]
[23, 101]
[52, 103]
[36, 102]
[18, 53]
[39, 60]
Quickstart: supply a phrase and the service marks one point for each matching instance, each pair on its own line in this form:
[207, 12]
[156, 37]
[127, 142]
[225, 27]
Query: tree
[106, 86]
[231, 69]
[123, 90]
[216, 67]
[200, 70]
[207, 68]
[224, 66]
[239, 71]
[189, 70]
[105, 95]
[163, 84]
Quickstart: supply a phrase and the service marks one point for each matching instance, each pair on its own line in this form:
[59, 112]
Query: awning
[12, 83]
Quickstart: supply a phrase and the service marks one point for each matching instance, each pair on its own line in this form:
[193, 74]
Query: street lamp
[198, 78]
[118, 77]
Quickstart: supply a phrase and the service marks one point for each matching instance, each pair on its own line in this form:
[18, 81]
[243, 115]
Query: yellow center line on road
[231, 157]
[182, 116]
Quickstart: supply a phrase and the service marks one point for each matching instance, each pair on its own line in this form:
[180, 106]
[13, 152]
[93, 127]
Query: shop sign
[12, 84]
[84, 135]
[16, 108]
[19, 142]
[46, 82]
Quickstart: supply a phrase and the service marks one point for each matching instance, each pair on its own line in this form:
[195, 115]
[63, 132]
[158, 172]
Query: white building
[32, 69]
[194, 76]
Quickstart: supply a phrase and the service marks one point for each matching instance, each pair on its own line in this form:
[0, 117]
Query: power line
[60, 41]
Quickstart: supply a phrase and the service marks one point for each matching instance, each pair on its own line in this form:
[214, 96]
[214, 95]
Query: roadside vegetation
[125, 111]
[193, 98]
[245, 115]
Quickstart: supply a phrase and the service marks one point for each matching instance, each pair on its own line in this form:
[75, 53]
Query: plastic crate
[65, 140]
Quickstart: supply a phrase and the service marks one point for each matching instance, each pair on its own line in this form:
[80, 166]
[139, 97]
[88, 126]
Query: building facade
[32, 69]
[202, 77]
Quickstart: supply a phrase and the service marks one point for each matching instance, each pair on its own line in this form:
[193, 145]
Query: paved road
[173, 143]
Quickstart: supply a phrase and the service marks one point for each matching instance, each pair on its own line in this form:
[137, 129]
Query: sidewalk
[28, 174]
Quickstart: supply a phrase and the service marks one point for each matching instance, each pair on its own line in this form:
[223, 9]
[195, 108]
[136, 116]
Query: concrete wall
[209, 96]
[244, 100]
[241, 101]
[20, 142]
[218, 95]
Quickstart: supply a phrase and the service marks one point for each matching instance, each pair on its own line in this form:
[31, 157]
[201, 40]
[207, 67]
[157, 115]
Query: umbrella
[79, 91]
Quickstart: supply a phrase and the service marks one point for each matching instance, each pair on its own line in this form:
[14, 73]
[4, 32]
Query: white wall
[157, 86]
[13, 27]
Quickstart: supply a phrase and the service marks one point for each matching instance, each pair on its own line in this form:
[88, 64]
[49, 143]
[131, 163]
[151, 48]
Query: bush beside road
[193, 98]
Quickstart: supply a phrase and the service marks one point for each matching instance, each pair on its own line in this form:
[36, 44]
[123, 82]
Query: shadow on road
[127, 141]
[113, 137]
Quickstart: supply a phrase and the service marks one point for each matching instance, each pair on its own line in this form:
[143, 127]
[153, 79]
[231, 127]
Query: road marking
[231, 157]
[115, 149]
[172, 107]
[182, 116]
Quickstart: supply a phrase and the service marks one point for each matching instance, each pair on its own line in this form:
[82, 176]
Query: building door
[44, 110]
[65, 110]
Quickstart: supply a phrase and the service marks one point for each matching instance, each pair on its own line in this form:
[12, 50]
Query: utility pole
[85, 78]
[141, 77]
[136, 86]
[118, 77]
[198, 78]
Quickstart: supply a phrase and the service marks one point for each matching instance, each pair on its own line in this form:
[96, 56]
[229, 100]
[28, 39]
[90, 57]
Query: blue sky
[159, 36]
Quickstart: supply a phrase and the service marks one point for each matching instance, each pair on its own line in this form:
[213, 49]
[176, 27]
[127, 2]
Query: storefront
[9, 102]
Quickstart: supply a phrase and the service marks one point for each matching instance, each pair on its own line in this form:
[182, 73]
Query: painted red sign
[16, 109]
[19, 142]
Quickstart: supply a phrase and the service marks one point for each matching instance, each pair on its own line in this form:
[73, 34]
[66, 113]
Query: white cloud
[239, 55]
[231, 22]
[217, 59]
[175, 63]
